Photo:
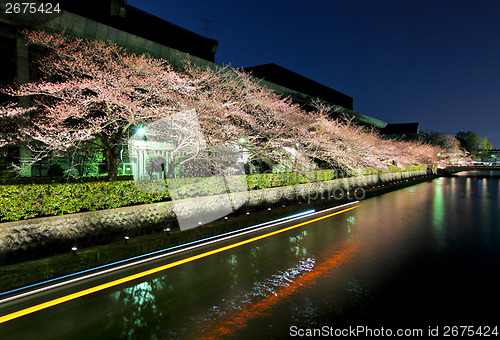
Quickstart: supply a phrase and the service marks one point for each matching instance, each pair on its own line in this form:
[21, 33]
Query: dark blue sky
[434, 62]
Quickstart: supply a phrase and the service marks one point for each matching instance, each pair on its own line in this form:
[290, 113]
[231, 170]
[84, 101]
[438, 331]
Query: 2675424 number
[470, 331]
[31, 7]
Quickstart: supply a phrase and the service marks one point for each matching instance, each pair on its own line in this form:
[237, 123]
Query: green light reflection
[438, 207]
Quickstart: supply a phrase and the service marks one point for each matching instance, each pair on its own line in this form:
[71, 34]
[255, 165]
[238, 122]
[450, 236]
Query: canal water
[423, 256]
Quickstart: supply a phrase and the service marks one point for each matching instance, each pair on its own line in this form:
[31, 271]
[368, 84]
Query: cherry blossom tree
[11, 117]
[92, 92]
[95, 93]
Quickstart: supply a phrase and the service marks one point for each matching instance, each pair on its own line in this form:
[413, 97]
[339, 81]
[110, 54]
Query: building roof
[400, 129]
[284, 77]
[120, 15]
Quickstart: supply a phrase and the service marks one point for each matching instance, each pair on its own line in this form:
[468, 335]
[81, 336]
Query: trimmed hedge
[409, 168]
[18, 202]
[50, 180]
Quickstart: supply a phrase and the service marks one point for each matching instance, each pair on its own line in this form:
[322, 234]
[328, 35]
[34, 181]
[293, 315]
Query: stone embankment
[51, 235]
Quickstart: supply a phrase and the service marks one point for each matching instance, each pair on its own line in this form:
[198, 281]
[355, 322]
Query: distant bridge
[471, 166]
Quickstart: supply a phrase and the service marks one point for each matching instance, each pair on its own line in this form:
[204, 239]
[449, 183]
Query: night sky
[434, 62]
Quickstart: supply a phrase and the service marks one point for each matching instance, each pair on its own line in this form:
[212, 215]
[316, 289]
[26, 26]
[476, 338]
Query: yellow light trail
[129, 278]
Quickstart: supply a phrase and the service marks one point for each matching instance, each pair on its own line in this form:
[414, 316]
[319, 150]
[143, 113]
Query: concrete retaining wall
[98, 227]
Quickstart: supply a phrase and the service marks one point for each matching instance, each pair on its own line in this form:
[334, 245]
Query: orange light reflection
[231, 322]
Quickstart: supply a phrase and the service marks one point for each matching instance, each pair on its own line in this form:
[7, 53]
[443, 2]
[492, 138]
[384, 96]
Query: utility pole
[205, 27]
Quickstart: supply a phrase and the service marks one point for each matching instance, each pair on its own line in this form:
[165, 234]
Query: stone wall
[99, 227]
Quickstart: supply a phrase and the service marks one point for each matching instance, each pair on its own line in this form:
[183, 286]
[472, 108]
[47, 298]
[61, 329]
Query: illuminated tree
[450, 145]
[92, 93]
[477, 147]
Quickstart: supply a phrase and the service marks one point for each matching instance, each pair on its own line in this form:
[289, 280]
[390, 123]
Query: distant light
[126, 238]
[141, 131]
[74, 249]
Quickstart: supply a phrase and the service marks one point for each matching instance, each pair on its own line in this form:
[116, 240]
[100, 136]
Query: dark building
[126, 18]
[303, 91]
[403, 131]
[279, 75]
[7, 60]
[308, 89]
[112, 20]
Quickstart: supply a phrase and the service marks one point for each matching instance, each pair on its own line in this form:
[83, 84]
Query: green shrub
[7, 173]
[408, 168]
[18, 202]
[196, 186]
[416, 167]
[394, 168]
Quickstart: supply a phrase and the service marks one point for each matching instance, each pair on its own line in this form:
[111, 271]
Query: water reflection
[138, 309]
[438, 206]
[235, 314]
[438, 212]
[351, 221]
[398, 254]
[434, 247]
[226, 291]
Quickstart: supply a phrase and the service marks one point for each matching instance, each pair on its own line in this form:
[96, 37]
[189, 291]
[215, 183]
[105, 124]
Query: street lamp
[141, 131]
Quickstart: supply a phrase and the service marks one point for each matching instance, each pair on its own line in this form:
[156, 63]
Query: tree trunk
[111, 154]
[170, 173]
